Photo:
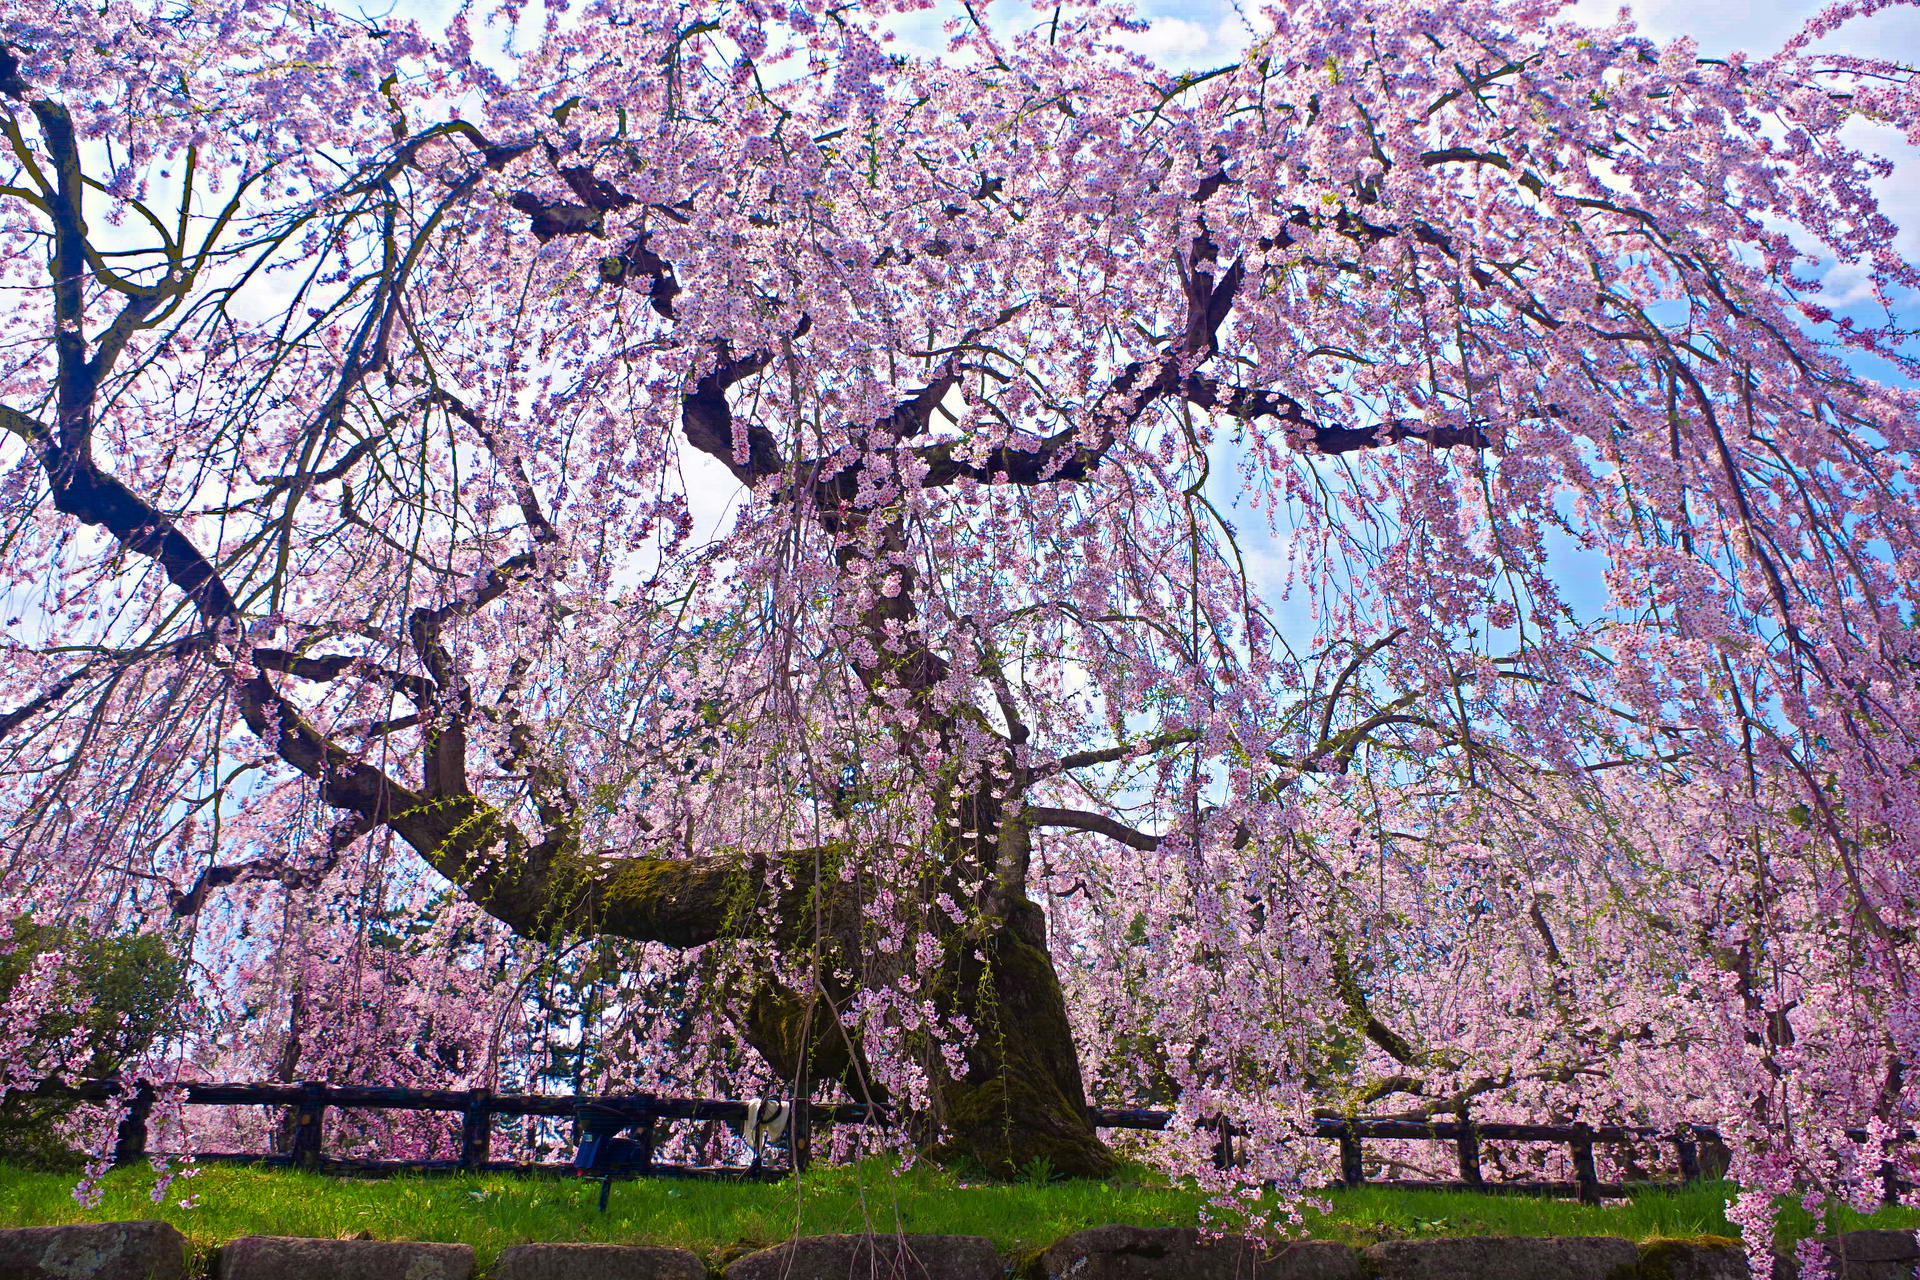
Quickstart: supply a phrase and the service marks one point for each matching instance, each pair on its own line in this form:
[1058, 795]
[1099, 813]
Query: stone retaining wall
[155, 1251]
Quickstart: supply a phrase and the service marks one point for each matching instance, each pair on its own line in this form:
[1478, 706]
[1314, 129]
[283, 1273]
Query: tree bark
[1019, 1096]
[1020, 1099]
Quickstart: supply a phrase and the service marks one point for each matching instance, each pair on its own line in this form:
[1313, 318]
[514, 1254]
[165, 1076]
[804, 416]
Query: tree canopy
[1366, 578]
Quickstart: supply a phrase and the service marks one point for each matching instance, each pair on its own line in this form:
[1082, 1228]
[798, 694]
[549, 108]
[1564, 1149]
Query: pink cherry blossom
[1364, 580]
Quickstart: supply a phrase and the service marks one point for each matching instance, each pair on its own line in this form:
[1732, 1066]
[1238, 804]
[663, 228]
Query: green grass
[720, 1220]
[1367, 1215]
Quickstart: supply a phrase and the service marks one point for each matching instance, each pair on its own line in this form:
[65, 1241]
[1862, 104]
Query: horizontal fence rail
[308, 1103]
[1466, 1137]
[1350, 1133]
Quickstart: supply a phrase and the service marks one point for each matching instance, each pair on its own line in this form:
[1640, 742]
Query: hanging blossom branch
[983, 677]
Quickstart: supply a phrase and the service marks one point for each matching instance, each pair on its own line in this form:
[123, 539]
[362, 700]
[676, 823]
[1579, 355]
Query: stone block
[294, 1258]
[1182, 1253]
[595, 1262]
[1864, 1255]
[1503, 1258]
[875, 1257]
[94, 1251]
[1880, 1247]
[1693, 1260]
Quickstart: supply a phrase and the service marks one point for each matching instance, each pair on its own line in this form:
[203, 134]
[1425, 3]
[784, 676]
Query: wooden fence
[308, 1103]
[1579, 1139]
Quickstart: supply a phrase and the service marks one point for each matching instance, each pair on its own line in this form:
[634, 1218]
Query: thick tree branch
[1040, 815]
[339, 837]
[1121, 751]
[1395, 1045]
[706, 419]
[81, 490]
[11, 720]
[1246, 404]
[331, 666]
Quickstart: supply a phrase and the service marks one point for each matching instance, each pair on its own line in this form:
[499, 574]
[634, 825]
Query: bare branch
[1040, 815]
[339, 837]
[332, 666]
[1121, 751]
[11, 720]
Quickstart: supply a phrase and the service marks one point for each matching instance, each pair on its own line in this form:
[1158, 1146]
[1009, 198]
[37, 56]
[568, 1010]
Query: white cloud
[1756, 26]
[1899, 191]
[1845, 285]
[1180, 43]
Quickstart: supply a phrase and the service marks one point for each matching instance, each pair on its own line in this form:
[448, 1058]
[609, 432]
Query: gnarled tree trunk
[1021, 1098]
[1018, 1098]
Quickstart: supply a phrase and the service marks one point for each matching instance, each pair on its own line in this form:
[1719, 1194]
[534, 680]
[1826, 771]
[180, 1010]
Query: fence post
[1468, 1144]
[1689, 1152]
[308, 1117]
[800, 1129]
[130, 1139]
[1584, 1174]
[476, 1129]
[643, 1139]
[1353, 1170]
[1889, 1182]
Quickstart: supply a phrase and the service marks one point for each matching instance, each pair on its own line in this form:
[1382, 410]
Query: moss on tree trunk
[1021, 1098]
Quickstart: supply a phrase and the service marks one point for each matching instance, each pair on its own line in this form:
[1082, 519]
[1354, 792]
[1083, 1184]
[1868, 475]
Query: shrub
[107, 999]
